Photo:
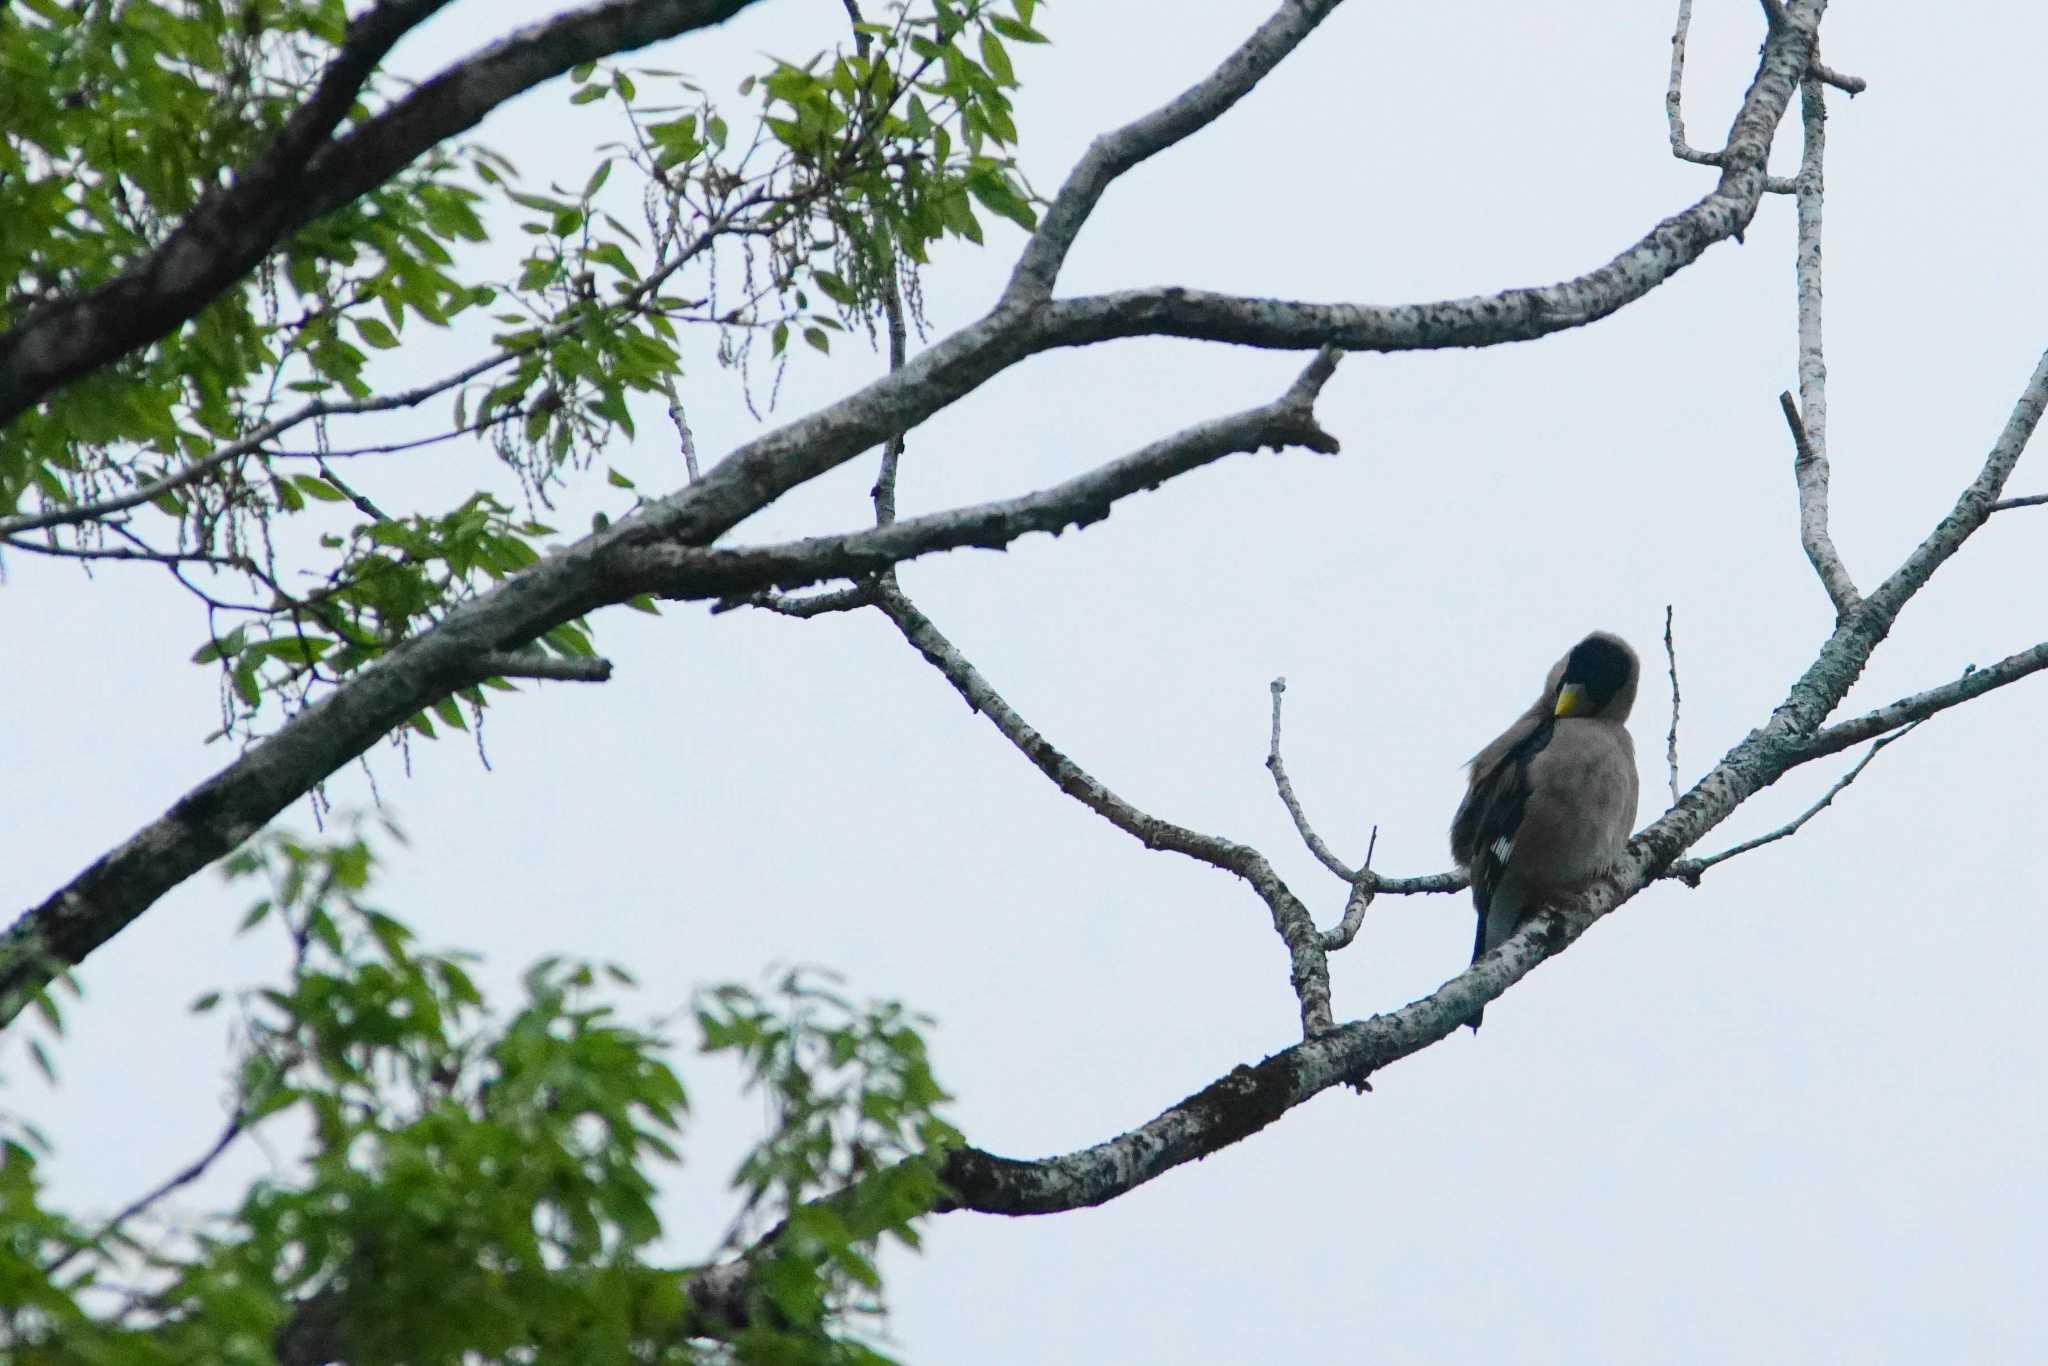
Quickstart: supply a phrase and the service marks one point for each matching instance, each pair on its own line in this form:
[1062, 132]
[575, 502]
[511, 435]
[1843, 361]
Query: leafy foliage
[790, 220]
[480, 1185]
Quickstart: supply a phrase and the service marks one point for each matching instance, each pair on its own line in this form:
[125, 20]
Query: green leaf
[375, 332]
[315, 487]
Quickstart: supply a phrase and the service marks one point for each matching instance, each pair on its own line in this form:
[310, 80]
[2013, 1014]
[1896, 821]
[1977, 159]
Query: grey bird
[1552, 800]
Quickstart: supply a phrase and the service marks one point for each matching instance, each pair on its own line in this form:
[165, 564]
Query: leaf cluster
[477, 1184]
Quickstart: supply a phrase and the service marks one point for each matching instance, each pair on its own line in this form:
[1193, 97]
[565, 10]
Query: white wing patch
[1500, 849]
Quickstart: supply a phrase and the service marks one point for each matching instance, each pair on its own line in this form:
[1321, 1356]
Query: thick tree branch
[305, 173]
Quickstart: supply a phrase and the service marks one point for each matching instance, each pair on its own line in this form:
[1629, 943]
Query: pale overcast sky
[1796, 1114]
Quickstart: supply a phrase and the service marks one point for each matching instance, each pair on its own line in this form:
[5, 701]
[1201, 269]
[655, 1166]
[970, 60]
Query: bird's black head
[1597, 673]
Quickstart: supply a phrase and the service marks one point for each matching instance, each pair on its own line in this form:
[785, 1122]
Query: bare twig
[1363, 888]
[2031, 500]
[1973, 684]
[884, 491]
[1278, 769]
[1671, 739]
[1689, 871]
[814, 605]
[684, 441]
[1851, 86]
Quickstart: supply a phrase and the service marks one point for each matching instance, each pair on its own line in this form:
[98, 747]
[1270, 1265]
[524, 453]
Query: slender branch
[1310, 971]
[236, 1126]
[98, 552]
[884, 491]
[1112, 154]
[1363, 888]
[1973, 684]
[1278, 769]
[2031, 500]
[1671, 739]
[686, 443]
[1973, 506]
[1689, 871]
[739, 573]
[815, 605]
[199, 469]
[1809, 420]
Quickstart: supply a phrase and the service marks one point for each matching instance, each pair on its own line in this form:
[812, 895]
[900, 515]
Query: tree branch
[1278, 769]
[1921, 705]
[218, 814]
[1809, 420]
[1112, 154]
[523, 664]
[1309, 970]
[1674, 114]
[1689, 870]
[305, 173]
[1671, 739]
[739, 573]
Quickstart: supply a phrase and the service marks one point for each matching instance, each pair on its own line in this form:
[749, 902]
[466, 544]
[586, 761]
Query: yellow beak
[1571, 700]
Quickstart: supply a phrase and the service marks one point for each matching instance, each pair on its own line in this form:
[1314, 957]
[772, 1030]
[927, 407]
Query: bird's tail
[1479, 946]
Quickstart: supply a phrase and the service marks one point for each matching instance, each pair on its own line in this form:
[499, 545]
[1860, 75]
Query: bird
[1551, 801]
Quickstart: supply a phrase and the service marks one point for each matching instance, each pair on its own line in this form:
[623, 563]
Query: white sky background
[1796, 1114]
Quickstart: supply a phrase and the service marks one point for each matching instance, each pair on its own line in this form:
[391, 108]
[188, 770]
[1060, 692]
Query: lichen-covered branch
[1674, 107]
[1690, 870]
[743, 571]
[1809, 419]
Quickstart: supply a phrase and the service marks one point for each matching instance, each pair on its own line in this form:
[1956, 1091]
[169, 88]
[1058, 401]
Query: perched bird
[1552, 800]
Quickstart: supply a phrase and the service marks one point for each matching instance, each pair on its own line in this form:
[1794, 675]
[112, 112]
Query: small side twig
[1689, 871]
[548, 668]
[684, 440]
[1674, 109]
[1671, 739]
[2031, 500]
[1363, 888]
[237, 1125]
